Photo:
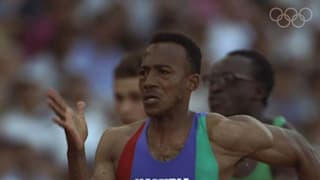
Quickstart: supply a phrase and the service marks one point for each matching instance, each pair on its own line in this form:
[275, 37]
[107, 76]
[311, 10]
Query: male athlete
[244, 76]
[175, 143]
[127, 95]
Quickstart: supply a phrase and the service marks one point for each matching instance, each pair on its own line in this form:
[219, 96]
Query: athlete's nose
[150, 81]
[216, 86]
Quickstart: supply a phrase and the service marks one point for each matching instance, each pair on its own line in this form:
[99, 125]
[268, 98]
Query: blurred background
[74, 46]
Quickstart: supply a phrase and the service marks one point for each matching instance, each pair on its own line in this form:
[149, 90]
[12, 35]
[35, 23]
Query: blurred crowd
[74, 46]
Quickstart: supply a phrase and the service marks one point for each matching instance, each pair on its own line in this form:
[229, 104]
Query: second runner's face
[128, 100]
[164, 77]
[232, 89]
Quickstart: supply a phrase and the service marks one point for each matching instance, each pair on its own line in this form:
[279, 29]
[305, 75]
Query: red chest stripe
[127, 155]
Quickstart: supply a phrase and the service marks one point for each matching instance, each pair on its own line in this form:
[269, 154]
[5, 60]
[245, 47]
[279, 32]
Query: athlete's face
[128, 100]
[232, 88]
[165, 78]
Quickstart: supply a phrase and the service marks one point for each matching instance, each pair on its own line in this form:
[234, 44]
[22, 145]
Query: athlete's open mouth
[150, 98]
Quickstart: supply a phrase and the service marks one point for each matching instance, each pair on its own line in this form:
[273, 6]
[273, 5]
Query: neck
[176, 122]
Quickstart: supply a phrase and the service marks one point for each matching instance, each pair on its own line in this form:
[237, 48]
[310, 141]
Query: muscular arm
[284, 147]
[290, 149]
[104, 167]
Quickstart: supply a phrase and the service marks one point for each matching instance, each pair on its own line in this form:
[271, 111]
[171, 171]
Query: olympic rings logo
[290, 16]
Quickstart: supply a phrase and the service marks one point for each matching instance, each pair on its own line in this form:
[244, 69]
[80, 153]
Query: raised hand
[73, 122]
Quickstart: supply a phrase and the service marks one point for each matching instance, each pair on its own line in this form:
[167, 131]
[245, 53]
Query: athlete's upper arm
[241, 134]
[104, 165]
[270, 144]
[252, 134]
[275, 146]
[287, 147]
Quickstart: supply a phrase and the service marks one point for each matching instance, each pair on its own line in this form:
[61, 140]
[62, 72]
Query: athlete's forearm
[308, 165]
[77, 165]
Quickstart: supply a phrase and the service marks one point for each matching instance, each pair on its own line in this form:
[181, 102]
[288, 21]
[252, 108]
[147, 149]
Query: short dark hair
[192, 49]
[129, 66]
[262, 69]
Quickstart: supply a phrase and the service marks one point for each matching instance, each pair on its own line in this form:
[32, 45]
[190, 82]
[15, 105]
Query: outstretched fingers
[57, 109]
[69, 115]
[63, 124]
[57, 99]
[57, 103]
[60, 122]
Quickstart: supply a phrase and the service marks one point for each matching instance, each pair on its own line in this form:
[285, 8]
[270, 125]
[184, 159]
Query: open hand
[73, 122]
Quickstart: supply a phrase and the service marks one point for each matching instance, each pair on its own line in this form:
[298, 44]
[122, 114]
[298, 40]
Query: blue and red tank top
[196, 160]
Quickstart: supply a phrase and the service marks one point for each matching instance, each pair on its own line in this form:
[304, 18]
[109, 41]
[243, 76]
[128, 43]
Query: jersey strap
[206, 163]
[127, 155]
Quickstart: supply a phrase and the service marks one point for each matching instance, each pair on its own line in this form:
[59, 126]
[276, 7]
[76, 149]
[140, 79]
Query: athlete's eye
[164, 72]
[142, 72]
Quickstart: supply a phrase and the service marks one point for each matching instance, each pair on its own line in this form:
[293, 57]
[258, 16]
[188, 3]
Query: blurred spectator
[231, 29]
[41, 20]
[50, 65]
[316, 49]
[314, 82]
[97, 55]
[313, 130]
[289, 97]
[29, 117]
[10, 63]
[19, 161]
[142, 15]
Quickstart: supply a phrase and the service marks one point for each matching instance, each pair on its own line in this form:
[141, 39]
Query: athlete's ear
[193, 82]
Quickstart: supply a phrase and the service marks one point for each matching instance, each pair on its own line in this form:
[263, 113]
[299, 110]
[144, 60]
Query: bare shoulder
[238, 133]
[110, 148]
[117, 133]
[114, 139]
